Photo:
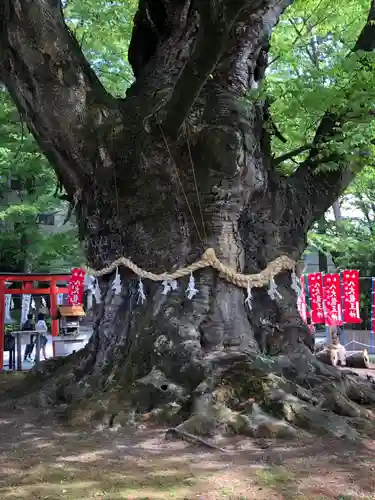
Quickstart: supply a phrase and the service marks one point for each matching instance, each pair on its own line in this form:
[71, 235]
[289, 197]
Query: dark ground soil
[40, 459]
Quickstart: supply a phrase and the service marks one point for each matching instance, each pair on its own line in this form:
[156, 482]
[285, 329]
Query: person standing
[28, 326]
[41, 326]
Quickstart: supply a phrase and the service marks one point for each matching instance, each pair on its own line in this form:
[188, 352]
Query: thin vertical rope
[181, 185]
[117, 204]
[195, 183]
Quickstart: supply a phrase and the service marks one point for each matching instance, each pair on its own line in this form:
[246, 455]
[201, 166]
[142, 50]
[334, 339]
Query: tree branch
[216, 18]
[226, 27]
[291, 154]
[316, 191]
[244, 60]
[52, 84]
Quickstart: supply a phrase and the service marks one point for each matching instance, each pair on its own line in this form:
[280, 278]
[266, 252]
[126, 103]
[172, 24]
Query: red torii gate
[27, 287]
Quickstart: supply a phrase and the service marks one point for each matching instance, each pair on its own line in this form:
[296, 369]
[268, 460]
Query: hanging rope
[195, 182]
[180, 183]
[208, 259]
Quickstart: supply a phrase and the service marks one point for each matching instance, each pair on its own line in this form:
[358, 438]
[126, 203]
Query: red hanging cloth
[76, 287]
[315, 283]
[332, 299]
[351, 296]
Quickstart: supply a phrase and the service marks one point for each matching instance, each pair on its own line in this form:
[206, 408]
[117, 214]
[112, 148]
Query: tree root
[240, 393]
[47, 384]
[191, 438]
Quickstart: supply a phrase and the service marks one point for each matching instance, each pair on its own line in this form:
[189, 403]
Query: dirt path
[39, 460]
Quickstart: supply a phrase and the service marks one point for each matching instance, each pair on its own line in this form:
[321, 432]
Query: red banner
[76, 287]
[332, 299]
[315, 283]
[351, 296]
[301, 301]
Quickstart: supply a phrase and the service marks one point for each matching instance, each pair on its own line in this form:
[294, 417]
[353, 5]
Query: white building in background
[51, 222]
[310, 261]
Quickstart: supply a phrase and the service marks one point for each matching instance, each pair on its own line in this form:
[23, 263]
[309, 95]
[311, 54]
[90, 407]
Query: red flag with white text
[315, 283]
[301, 301]
[351, 296]
[332, 299]
[76, 287]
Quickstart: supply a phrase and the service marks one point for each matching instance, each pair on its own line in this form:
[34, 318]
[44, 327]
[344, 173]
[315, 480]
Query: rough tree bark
[181, 164]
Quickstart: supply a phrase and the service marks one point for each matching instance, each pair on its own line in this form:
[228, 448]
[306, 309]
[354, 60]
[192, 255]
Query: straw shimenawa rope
[209, 259]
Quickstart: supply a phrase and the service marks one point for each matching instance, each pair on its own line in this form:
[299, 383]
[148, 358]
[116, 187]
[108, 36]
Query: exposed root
[277, 397]
[191, 438]
[47, 384]
[240, 393]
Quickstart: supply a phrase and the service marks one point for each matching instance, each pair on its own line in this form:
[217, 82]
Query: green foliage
[57, 252]
[351, 241]
[313, 71]
[23, 244]
[104, 30]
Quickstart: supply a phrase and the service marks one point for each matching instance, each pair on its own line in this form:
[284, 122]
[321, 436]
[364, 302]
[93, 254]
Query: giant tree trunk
[182, 164]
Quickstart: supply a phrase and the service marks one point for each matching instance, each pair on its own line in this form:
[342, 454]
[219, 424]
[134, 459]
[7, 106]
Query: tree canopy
[28, 189]
[311, 70]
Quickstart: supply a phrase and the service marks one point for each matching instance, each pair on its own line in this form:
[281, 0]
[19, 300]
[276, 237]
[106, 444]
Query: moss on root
[279, 402]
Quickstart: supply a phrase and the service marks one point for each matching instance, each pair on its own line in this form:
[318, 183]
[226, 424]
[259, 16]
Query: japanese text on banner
[301, 301]
[315, 283]
[351, 296]
[76, 287]
[332, 299]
